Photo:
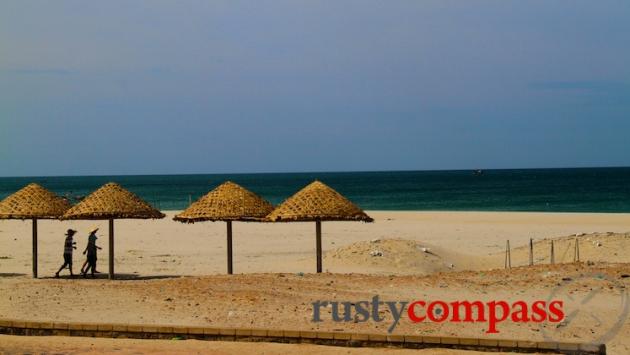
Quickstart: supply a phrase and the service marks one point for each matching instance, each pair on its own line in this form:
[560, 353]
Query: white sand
[166, 247]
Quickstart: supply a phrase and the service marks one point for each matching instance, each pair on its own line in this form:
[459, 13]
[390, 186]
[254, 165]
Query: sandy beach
[177, 269]
[168, 248]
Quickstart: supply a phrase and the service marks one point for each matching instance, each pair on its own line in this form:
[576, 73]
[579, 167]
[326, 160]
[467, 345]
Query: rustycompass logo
[437, 311]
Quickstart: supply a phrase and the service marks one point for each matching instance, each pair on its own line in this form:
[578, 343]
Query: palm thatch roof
[316, 202]
[227, 202]
[111, 201]
[33, 202]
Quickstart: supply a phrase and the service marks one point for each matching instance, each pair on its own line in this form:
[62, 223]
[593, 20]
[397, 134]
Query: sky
[176, 87]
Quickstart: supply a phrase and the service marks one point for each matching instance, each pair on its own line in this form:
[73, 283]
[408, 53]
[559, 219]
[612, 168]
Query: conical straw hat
[317, 202]
[111, 201]
[227, 202]
[33, 201]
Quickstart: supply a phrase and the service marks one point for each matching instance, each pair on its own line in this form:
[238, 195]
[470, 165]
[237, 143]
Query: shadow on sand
[10, 274]
[119, 277]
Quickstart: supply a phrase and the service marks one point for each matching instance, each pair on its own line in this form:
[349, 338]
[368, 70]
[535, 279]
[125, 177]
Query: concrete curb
[151, 331]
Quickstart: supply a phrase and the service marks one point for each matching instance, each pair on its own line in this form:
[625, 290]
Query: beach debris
[623, 276]
[567, 279]
[376, 253]
[300, 274]
[375, 240]
[425, 250]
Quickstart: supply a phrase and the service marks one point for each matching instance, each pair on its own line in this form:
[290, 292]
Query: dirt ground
[284, 301]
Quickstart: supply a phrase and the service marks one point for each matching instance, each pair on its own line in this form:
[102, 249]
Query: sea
[544, 190]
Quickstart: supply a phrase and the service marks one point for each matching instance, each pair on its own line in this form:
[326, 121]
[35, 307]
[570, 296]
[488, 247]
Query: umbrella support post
[34, 248]
[111, 249]
[229, 247]
[318, 233]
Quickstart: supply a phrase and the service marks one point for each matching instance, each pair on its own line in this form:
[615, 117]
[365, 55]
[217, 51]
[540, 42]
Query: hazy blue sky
[148, 87]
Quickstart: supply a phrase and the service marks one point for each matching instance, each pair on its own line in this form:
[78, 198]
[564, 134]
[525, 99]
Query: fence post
[576, 251]
[508, 256]
[531, 251]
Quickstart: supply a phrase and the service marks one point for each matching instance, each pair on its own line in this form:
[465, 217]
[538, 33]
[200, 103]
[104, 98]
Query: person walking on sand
[91, 254]
[91, 239]
[68, 247]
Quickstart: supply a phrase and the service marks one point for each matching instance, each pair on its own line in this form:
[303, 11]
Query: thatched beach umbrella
[33, 202]
[228, 202]
[110, 202]
[318, 202]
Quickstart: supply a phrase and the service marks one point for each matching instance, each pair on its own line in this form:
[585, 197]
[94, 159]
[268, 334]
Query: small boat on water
[71, 197]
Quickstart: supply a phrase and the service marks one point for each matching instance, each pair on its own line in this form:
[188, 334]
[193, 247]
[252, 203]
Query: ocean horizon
[540, 190]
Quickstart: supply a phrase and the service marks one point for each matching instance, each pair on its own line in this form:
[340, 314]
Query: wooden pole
[34, 248]
[318, 233]
[531, 252]
[553, 257]
[505, 262]
[508, 256]
[111, 249]
[577, 246]
[229, 247]
[576, 251]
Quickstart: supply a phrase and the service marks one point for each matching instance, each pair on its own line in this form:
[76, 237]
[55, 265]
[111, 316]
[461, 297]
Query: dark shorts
[67, 258]
[91, 258]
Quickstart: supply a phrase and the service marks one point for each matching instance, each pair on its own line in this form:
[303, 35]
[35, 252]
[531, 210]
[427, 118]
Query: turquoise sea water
[555, 190]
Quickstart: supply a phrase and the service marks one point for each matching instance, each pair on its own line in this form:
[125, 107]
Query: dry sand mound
[399, 256]
[407, 257]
